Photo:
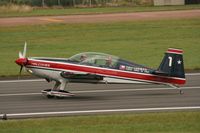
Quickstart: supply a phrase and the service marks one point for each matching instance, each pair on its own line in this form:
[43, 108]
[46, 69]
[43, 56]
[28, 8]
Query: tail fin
[172, 63]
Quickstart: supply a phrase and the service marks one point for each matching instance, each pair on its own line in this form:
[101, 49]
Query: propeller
[20, 71]
[24, 52]
[22, 60]
[23, 55]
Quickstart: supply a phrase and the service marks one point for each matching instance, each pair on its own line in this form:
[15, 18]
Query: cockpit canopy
[89, 55]
[95, 59]
[105, 60]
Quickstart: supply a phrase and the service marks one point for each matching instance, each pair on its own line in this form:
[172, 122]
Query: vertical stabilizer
[172, 63]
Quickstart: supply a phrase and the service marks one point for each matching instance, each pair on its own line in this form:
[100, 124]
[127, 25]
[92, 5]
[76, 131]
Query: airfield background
[88, 3]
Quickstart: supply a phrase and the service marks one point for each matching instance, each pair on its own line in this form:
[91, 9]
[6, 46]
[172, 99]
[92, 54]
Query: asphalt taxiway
[22, 98]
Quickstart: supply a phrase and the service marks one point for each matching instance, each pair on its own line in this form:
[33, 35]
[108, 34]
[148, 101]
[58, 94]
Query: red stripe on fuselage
[105, 71]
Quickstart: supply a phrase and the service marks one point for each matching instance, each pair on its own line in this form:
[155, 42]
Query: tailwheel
[177, 87]
[181, 92]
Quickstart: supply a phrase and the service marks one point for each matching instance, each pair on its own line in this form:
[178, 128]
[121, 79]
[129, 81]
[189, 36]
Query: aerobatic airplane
[92, 67]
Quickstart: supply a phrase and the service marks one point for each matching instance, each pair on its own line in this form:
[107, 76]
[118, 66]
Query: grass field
[70, 11]
[143, 41]
[177, 122]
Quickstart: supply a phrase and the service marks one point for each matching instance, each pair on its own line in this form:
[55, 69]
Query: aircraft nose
[21, 61]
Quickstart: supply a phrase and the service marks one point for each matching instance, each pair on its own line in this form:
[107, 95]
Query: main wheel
[50, 96]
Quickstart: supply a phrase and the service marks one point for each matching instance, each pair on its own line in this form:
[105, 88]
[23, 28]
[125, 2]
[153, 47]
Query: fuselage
[61, 68]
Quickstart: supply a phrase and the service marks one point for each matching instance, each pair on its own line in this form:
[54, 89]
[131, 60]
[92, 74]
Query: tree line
[64, 3]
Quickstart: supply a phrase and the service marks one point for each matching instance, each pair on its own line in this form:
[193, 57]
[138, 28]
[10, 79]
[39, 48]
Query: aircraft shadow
[80, 98]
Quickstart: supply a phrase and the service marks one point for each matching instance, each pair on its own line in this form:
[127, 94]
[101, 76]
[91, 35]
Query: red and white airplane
[92, 67]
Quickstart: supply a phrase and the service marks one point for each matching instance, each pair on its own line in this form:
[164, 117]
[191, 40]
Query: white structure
[168, 2]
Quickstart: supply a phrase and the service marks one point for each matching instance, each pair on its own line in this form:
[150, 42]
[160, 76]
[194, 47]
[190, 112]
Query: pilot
[109, 62]
[83, 57]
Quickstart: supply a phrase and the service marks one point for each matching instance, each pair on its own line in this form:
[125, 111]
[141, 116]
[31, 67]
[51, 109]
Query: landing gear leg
[47, 92]
[63, 85]
[58, 93]
[62, 88]
[54, 89]
[56, 86]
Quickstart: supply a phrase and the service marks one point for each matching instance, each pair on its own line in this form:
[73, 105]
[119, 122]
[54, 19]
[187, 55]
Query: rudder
[172, 63]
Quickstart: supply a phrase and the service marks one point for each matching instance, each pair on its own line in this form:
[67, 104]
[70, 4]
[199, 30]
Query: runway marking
[145, 89]
[52, 19]
[192, 74]
[19, 94]
[102, 111]
[101, 91]
[18, 81]
[40, 80]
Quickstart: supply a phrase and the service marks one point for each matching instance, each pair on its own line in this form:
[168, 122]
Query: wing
[80, 75]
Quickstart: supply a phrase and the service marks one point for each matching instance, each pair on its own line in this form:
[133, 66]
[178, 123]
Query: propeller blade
[23, 55]
[20, 55]
[20, 71]
[24, 52]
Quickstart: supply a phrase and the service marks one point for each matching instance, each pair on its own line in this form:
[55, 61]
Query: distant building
[168, 2]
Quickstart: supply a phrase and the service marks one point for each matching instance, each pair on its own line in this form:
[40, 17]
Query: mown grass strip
[172, 122]
[72, 11]
[143, 42]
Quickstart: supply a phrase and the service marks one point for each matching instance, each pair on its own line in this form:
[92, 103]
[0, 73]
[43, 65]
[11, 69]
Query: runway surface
[99, 18]
[19, 98]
